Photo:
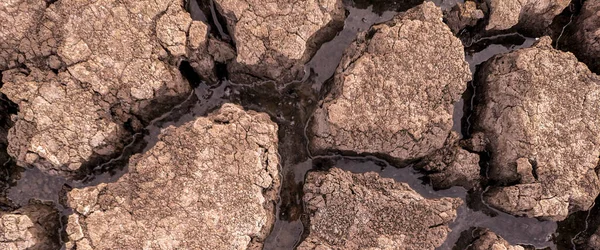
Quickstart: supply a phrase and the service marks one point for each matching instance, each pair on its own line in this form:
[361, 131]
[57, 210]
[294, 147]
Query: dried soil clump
[538, 110]
[33, 227]
[394, 89]
[364, 211]
[208, 184]
[275, 38]
[112, 69]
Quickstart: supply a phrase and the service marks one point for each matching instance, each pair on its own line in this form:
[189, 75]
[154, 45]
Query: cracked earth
[305, 124]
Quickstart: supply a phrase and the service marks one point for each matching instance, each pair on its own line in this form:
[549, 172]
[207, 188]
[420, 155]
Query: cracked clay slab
[538, 109]
[394, 89]
[365, 211]
[208, 184]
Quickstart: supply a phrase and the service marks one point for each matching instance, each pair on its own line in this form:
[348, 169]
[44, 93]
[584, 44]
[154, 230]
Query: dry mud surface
[308, 124]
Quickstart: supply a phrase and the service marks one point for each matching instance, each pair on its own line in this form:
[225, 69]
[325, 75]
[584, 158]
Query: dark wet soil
[563, 25]
[574, 232]
[291, 106]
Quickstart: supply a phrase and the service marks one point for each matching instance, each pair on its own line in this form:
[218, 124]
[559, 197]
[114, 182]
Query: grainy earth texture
[30, 227]
[114, 76]
[275, 38]
[538, 109]
[210, 183]
[304, 124]
[360, 211]
[18, 20]
[532, 16]
[394, 89]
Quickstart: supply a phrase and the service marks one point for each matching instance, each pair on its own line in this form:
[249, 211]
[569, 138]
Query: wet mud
[291, 106]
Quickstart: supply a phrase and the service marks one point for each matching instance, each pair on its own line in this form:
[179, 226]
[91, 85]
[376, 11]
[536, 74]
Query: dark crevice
[575, 231]
[370, 34]
[470, 34]
[50, 2]
[196, 13]
[563, 25]
[467, 237]
[484, 164]
[395, 162]
[381, 6]
[220, 23]
[9, 174]
[221, 71]
[206, 11]
[507, 40]
[8, 108]
[8, 170]
[568, 35]
[115, 165]
[467, 110]
[534, 168]
[188, 72]
[291, 107]
[479, 50]
[128, 125]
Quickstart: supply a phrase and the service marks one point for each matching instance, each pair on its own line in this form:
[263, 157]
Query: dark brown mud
[563, 26]
[7, 174]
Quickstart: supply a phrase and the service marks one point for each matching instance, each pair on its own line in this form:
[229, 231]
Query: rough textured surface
[275, 38]
[463, 15]
[118, 55]
[539, 112]
[208, 184]
[587, 36]
[452, 166]
[18, 19]
[394, 90]
[32, 227]
[364, 211]
[60, 124]
[114, 73]
[530, 15]
[488, 240]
